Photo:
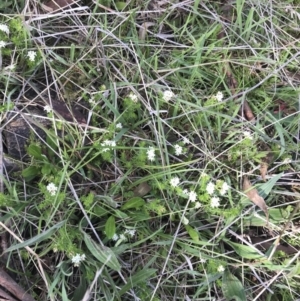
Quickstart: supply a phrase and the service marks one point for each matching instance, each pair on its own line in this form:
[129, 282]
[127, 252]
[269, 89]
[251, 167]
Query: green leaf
[35, 151]
[142, 276]
[30, 173]
[232, 287]
[120, 5]
[192, 233]
[110, 227]
[102, 253]
[244, 251]
[46, 169]
[40, 237]
[266, 188]
[108, 200]
[135, 202]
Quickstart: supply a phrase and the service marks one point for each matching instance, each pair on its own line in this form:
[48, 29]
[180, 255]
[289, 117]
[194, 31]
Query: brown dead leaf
[56, 4]
[248, 112]
[254, 197]
[263, 170]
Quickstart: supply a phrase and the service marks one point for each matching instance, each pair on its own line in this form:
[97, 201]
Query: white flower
[178, 149]
[192, 196]
[123, 237]
[221, 269]
[77, 259]
[202, 260]
[111, 143]
[174, 182]
[186, 141]
[47, 108]
[119, 125]
[2, 44]
[185, 221]
[52, 188]
[224, 188]
[167, 96]
[204, 175]
[151, 153]
[215, 202]
[133, 97]
[219, 96]
[115, 237]
[92, 101]
[287, 161]
[31, 54]
[185, 191]
[4, 28]
[197, 205]
[130, 232]
[248, 135]
[210, 188]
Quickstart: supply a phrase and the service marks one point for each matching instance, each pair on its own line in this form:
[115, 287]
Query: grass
[139, 210]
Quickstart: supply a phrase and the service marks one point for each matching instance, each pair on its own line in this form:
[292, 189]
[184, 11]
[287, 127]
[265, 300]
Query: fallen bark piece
[13, 287]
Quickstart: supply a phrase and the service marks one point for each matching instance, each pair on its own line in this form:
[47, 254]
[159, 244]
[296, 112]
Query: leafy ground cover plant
[181, 181]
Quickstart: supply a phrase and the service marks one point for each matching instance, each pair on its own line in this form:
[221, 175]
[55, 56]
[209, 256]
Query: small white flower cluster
[210, 189]
[192, 196]
[215, 202]
[174, 182]
[224, 188]
[115, 237]
[77, 259]
[247, 135]
[287, 161]
[122, 237]
[168, 95]
[111, 143]
[151, 153]
[221, 269]
[31, 54]
[119, 125]
[133, 97]
[197, 205]
[48, 109]
[92, 101]
[108, 143]
[186, 141]
[219, 96]
[130, 232]
[4, 28]
[178, 149]
[52, 189]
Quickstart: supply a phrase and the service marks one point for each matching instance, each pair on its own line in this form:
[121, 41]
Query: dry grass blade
[254, 197]
[143, 30]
